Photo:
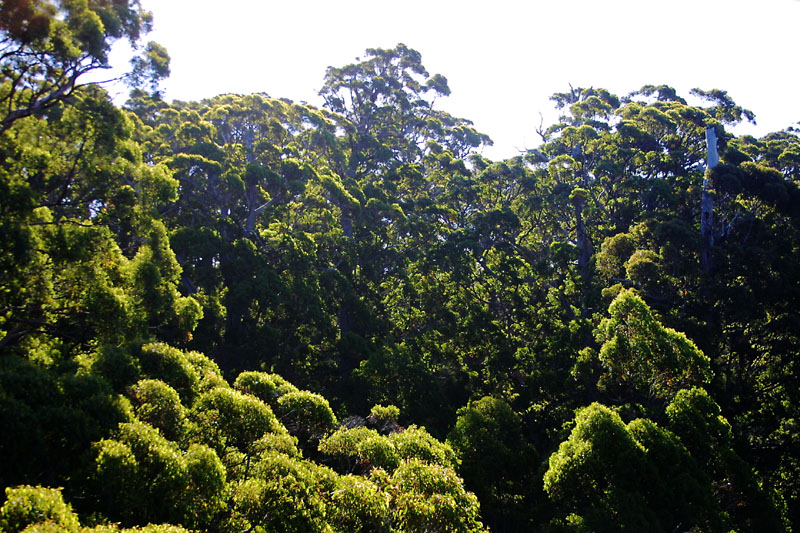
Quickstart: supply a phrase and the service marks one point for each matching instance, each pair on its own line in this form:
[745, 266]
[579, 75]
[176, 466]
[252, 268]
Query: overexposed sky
[502, 59]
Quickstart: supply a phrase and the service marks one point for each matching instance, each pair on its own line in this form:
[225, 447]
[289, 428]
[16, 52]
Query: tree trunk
[707, 203]
[585, 252]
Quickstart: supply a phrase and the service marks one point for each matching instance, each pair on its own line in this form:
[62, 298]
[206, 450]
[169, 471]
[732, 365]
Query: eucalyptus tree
[388, 100]
[612, 476]
[48, 46]
[81, 231]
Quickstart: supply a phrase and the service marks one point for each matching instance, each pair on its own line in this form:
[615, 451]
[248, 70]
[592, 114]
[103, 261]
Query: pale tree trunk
[707, 203]
[253, 211]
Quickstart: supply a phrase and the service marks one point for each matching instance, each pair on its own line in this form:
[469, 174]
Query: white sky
[502, 59]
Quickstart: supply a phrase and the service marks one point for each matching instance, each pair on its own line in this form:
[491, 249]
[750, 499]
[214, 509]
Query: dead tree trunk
[707, 203]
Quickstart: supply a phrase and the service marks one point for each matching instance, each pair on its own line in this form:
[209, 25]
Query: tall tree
[47, 46]
[388, 100]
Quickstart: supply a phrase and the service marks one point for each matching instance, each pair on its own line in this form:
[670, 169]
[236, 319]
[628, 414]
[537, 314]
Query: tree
[47, 46]
[696, 418]
[306, 415]
[641, 355]
[157, 404]
[390, 115]
[600, 472]
[285, 494]
[430, 497]
[26, 506]
[144, 478]
[362, 449]
[266, 387]
[609, 476]
[81, 213]
[52, 414]
[227, 418]
[358, 505]
[359, 449]
[495, 461]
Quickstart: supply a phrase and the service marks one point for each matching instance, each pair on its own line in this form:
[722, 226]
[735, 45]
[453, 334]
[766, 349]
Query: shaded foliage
[246, 313]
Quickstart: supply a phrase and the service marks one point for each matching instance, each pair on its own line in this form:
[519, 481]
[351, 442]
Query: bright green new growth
[26, 506]
[170, 365]
[360, 448]
[157, 404]
[364, 448]
[266, 387]
[285, 494]
[305, 414]
[430, 497]
[639, 353]
[143, 476]
[383, 416]
[359, 505]
[227, 418]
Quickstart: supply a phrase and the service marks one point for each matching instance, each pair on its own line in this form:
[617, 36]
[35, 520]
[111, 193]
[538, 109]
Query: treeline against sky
[248, 314]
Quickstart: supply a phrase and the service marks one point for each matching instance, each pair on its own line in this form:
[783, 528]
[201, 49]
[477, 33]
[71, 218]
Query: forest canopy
[250, 314]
